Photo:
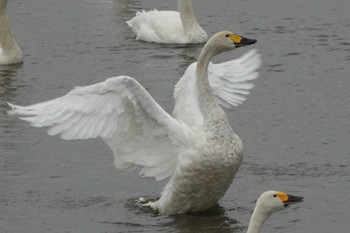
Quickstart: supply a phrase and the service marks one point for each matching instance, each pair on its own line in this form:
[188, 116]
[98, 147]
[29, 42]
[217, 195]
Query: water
[294, 125]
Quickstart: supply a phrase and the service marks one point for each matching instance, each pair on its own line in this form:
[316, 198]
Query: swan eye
[227, 35]
[274, 195]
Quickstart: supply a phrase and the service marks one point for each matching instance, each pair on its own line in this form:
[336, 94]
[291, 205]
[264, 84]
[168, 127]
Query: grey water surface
[294, 125]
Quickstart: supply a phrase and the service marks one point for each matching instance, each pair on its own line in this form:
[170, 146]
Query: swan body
[268, 203]
[196, 147]
[10, 53]
[168, 26]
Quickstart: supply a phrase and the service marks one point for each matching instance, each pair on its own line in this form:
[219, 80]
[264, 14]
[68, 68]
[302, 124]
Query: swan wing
[187, 107]
[231, 80]
[123, 114]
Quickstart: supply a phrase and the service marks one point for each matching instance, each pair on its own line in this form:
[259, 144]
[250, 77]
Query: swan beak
[243, 41]
[292, 200]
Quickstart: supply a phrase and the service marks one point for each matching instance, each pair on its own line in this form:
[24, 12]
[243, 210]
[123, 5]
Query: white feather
[120, 111]
[229, 82]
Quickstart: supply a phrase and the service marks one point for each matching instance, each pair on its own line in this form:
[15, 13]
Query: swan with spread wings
[196, 147]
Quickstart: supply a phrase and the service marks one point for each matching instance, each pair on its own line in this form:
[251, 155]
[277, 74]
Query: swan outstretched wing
[123, 114]
[230, 80]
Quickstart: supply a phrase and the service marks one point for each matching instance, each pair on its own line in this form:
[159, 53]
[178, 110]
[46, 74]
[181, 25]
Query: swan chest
[202, 176]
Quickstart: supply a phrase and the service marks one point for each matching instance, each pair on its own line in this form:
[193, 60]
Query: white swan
[196, 148]
[268, 203]
[10, 53]
[168, 26]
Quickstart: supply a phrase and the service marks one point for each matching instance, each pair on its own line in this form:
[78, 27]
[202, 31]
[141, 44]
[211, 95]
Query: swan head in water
[226, 41]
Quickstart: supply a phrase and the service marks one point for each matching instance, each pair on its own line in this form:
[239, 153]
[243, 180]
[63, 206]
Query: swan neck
[7, 42]
[258, 218]
[188, 19]
[203, 63]
[207, 101]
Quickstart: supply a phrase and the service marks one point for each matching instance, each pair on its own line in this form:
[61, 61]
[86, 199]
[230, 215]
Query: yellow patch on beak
[235, 38]
[282, 196]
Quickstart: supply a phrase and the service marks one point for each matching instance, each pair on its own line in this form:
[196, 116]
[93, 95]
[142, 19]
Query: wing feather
[123, 114]
[230, 80]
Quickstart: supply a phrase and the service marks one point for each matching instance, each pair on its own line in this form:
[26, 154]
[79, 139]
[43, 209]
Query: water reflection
[189, 54]
[8, 86]
[7, 73]
[8, 91]
[214, 220]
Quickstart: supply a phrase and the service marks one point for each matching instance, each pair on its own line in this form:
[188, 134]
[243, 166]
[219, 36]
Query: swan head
[273, 201]
[227, 41]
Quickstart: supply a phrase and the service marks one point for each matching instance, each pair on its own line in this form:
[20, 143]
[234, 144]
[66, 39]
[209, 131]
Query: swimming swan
[10, 53]
[196, 148]
[168, 26]
[268, 203]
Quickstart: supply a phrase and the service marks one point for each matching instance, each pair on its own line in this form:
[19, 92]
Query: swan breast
[204, 172]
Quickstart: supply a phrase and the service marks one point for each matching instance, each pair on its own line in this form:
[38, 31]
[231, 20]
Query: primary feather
[120, 111]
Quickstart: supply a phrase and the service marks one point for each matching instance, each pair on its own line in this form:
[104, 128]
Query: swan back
[170, 27]
[10, 53]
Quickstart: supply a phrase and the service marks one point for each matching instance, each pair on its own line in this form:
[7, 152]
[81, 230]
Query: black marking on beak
[245, 42]
[293, 200]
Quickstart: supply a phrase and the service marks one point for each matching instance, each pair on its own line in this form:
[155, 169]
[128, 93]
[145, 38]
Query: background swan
[10, 53]
[168, 26]
[196, 148]
[268, 203]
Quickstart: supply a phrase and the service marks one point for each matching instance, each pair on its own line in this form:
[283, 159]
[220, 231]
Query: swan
[196, 147]
[10, 53]
[268, 203]
[168, 26]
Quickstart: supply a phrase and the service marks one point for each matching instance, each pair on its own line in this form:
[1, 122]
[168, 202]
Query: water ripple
[299, 170]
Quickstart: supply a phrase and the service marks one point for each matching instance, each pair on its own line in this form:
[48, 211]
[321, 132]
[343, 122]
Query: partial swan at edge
[197, 148]
[170, 27]
[268, 203]
[10, 53]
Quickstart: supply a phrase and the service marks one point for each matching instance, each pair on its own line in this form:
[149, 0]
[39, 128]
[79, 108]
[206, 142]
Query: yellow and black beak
[241, 41]
[289, 199]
